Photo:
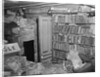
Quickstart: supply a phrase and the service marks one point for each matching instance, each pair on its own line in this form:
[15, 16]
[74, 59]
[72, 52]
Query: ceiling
[13, 4]
[19, 4]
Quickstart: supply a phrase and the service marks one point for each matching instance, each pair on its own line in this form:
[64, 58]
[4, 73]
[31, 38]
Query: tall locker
[45, 38]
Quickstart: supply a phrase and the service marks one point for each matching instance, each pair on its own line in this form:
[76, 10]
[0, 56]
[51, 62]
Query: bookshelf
[70, 30]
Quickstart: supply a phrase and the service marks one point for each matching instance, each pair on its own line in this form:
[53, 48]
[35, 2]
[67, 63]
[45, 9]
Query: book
[61, 18]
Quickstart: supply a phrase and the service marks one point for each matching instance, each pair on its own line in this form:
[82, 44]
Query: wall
[35, 12]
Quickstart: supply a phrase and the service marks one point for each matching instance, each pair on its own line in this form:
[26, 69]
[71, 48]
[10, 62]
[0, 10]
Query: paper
[73, 56]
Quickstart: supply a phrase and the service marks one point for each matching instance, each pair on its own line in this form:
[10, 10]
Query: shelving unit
[67, 30]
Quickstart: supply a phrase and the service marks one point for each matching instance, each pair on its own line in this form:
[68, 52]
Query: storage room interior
[48, 38]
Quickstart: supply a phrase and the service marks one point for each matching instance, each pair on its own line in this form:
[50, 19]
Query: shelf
[85, 45]
[58, 58]
[59, 41]
[60, 50]
[85, 23]
[88, 35]
[67, 23]
[65, 42]
[74, 44]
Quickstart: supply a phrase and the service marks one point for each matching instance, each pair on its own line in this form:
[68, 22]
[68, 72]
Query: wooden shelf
[80, 32]
[74, 34]
[85, 45]
[59, 41]
[72, 44]
[60, 50]
[88, 35]
[58, 58]
[85, 23]
[67, 23]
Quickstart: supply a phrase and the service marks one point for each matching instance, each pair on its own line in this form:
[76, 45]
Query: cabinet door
[45, 36]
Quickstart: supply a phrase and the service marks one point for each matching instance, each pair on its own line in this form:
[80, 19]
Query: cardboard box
[11, 48]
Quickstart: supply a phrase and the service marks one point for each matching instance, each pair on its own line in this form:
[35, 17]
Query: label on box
[10, 48]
